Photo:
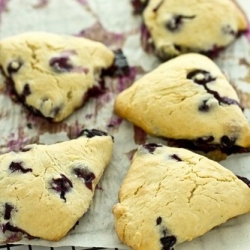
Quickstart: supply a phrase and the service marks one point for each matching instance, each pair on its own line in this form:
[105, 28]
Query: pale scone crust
[166, 103]
[37, 207]
[206, 25]
[33, 60]
[172, 192]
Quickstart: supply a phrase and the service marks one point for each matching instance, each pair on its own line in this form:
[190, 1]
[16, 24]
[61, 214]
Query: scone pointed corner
[189, 100]
[53, 184]
[172, 195]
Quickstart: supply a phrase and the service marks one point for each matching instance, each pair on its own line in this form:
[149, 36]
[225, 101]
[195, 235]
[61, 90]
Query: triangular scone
[172, 195]
[52, 73]
[180, 26]
[45, 189]
[190, 100]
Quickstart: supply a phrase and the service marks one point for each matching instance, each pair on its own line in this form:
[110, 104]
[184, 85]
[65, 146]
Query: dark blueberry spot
[62, 185]
[11, 228]
[176, 22]
[29, 125]
[14, 66]
[176, 157]
[205, 139]
[230, 101]
[228, 30]
[177, 47]
[204, 107]
[61, 64]
[17, 167]
[139, 6]
[201, 77]
[213, 52]
[120, 66]
[92, 133]
[151, 147]
[7, 212]
[55, 111]
[94, 92]
[158, 6]
[26, 90]
[74, 227]
[168, 242]
[87, 175]
[245, 180]
[158, 221]
[25, 149]
[227, 142]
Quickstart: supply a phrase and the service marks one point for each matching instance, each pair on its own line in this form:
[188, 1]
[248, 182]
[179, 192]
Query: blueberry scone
[52, 73]
[189, 101]
[172, 195]
[179, 26]
[45, 189]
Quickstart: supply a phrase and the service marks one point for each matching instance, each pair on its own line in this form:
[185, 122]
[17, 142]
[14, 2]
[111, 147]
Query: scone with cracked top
[53, 73]
[172, 195]
[189, 101]
[181, 26]
[45, 189]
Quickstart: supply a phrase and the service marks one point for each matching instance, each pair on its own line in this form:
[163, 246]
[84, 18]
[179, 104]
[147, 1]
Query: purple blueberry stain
[151, 147]
[61, 185]
[14, 66]
[86, 174]
[205, 139]
[17, 167]
[139, 6]
[11, 228]
[227, 142]
[7, 211]
[203, 77]
[175, 157]
[158, 221]
[176, 22]
[244, 179]
[61, 63]
[119, 67]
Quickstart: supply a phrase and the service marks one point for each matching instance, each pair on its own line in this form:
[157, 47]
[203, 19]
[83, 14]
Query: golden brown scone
[53, 73]
[181, 26]
[45, 189]
[187, 99]
[172, 195]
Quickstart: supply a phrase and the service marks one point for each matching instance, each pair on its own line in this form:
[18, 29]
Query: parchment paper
[112, 22]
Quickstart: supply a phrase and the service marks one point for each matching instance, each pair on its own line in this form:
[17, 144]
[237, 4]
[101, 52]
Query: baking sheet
[112, 22]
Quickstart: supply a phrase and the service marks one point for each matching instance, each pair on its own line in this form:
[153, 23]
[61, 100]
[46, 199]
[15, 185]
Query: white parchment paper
[112, 22]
